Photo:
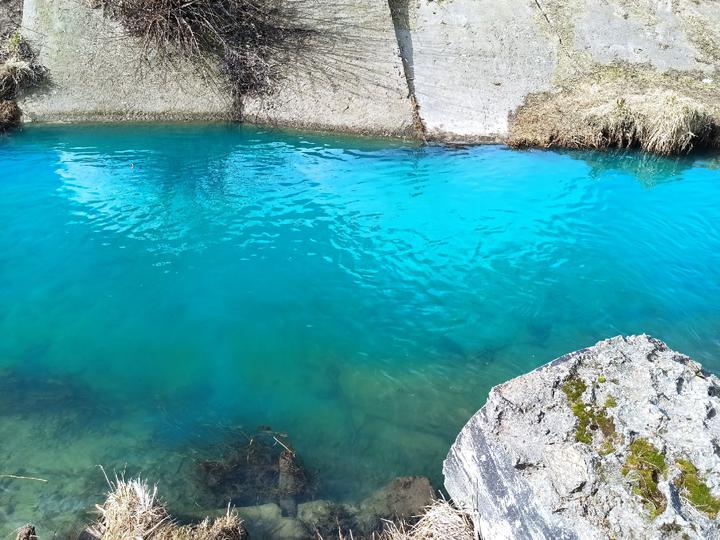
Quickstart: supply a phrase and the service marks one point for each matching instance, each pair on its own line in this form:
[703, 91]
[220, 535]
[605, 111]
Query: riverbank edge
[527, 86]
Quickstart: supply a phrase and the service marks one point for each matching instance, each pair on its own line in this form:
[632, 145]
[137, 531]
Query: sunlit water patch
[162, 286]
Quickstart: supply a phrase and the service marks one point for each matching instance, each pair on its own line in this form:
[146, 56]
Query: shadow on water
[75, 407]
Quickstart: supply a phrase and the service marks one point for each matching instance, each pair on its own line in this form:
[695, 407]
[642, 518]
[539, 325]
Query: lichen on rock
[591, 417]
[615, 441]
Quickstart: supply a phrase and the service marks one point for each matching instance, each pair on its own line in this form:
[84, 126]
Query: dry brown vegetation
[132, 510]
[441, 520]
[246, 41]
[665, 114]
[10, 114]
[19, 69]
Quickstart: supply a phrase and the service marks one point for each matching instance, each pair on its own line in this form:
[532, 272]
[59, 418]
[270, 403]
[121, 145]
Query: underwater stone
[520, 470]
[267, 521]
[26, 533]
[403, 497]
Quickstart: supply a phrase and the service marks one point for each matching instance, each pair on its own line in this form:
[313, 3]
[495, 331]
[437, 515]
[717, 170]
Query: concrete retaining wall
[98, 73]
[466, 64]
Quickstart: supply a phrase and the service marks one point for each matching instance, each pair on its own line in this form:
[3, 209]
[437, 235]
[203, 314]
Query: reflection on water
[162, 286]
[647, 169]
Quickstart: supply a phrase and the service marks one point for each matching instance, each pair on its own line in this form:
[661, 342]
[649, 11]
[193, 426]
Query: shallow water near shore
[163, 288]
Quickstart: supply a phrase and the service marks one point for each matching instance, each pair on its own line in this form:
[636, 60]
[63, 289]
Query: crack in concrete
[554, 30]
[399, 13]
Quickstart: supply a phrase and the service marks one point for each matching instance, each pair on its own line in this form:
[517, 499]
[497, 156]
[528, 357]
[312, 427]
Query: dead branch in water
[18, 477]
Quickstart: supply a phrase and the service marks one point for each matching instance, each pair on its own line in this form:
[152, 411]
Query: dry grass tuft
[659, 114]
[245, 40]
[10, 115]
[132, 510]
[14, 74]
[441, 520]
[19, 68]
[227, 527]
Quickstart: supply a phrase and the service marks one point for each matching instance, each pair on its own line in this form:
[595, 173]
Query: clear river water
[164, 287]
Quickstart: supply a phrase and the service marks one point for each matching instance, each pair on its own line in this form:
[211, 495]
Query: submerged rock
[26, 533]
[328, 519]
[621, 440]
[403, 498]
[267, 521]
[258, 469]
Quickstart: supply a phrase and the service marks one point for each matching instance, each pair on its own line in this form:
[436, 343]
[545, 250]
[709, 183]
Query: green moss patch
[574, 388]
[590, 417]
[695, 490]
[606, 448]
[644, 466]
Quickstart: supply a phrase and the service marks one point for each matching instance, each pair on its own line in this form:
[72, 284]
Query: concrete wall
[98, 73]
[475, 61]
[355, 82]
[466, 64]
[10, 16]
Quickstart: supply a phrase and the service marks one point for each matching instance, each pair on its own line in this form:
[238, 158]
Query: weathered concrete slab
[97, 73]
[474, 62]
[356, 83]
[642, 33]
[467, 64]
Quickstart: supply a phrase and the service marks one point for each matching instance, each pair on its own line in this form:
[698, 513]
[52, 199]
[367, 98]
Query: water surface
[162, 284]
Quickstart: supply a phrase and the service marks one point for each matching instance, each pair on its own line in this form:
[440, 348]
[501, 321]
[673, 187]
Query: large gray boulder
[621, 440]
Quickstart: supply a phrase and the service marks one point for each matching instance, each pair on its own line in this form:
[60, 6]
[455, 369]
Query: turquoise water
[161, 286]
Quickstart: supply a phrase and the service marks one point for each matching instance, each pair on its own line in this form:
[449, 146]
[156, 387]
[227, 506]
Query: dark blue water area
[162, 286]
